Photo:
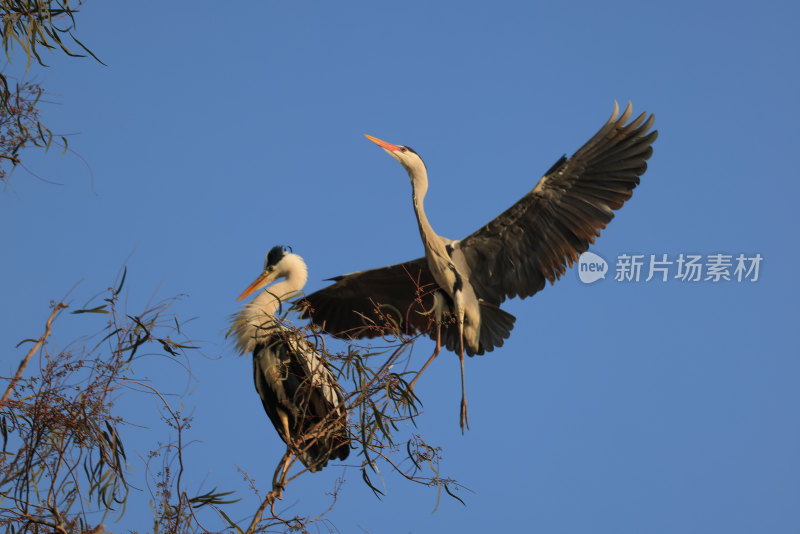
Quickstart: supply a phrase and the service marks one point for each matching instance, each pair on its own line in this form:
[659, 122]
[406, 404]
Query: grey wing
[536, 238]
[291, 376]
[360, 304]
[317, 371]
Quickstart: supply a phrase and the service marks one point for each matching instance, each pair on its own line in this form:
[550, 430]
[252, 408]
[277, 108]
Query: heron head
[279, 263]
[407, 157]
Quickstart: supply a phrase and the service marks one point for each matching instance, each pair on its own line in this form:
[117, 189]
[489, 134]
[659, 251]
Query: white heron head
[406, 156]
[279, 263]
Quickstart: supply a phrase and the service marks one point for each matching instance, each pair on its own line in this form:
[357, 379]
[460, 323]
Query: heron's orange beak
[383, 144]
[257, 284]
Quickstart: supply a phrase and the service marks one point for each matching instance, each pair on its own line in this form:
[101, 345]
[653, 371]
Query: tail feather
[496, 326]
[315, 456]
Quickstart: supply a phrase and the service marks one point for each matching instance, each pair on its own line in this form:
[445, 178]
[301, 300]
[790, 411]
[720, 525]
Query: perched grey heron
[513, 255]
[298, 391]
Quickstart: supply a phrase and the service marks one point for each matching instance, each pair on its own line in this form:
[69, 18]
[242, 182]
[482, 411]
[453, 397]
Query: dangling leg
[458, 301]
[464, 420]
[433, 357]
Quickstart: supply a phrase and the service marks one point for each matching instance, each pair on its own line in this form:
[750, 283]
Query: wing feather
[350, 306]
[544, 232]
[291, 377]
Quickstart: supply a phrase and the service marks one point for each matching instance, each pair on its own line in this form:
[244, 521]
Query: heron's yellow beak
[265, 279]
[383, 144]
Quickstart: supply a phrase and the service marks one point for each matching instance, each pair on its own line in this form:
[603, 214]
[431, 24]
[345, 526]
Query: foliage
[65, 466]
[32, 25]
[19, 116]
[40, 23]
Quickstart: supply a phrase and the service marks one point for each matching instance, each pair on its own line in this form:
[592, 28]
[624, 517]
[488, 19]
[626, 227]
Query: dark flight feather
[532, 242]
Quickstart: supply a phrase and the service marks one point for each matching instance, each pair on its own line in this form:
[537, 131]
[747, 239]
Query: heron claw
[276, 493]
[464, 420]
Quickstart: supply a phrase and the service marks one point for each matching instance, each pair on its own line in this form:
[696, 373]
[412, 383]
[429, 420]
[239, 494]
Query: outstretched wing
[369, 303]
[535, 239]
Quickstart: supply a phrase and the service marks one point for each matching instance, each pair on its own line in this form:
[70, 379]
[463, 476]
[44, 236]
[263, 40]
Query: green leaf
[447, 489]
[124, 274]
[99, 309]
[87, 50]
[231, 523]
[212, 498]
[26, 341]
[166, 345]
[378, 493]
[411, 456]
[379, 421]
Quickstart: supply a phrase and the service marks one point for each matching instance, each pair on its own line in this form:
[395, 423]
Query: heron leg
[285, 423]
[464, 420]
[280, 473]
[433, 357]
[279, 477]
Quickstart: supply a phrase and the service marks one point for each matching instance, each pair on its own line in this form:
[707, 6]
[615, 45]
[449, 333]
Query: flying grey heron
[298, 391]
[513, 255]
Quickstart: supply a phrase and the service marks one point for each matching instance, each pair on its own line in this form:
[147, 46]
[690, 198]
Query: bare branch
[58, 307]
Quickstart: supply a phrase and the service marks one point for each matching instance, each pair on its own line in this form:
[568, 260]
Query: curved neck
[432, 242]
[257, 320]
[267, 301]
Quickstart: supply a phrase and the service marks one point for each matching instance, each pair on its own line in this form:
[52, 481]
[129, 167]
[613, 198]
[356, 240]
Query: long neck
[257, 320]
[432, 242]
[268, 301]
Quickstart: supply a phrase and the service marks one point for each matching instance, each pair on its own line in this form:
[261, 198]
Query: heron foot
[276, 493]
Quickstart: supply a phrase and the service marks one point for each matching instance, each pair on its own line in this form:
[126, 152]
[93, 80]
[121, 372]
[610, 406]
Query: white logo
[591, 267]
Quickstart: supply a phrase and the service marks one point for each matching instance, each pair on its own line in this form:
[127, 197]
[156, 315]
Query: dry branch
[31, 352]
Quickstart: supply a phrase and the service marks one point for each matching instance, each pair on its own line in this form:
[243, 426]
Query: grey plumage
[293, 380]
[297, 389]
[513, 255]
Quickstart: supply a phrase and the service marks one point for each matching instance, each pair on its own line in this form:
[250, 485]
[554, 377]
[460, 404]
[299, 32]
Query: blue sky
[216, 133]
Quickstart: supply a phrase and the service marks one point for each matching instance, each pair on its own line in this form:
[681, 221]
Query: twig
[30, 354]
[268, 501]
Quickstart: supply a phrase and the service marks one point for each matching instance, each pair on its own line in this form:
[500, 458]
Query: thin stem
[30, 354]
